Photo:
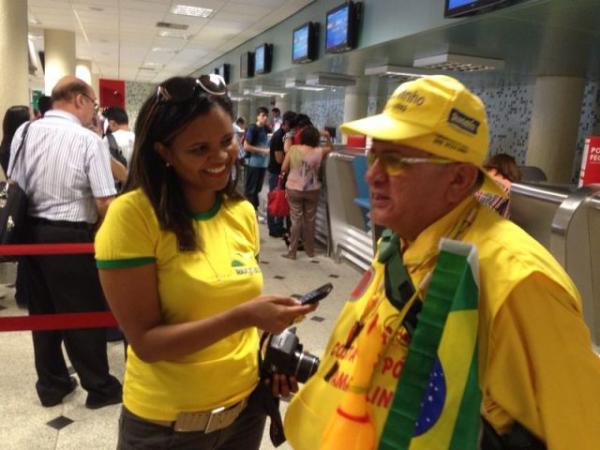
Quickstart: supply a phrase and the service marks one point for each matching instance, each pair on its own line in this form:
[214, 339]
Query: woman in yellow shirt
[177, 256]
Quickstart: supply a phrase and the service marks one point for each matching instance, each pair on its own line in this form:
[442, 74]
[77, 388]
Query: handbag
[277, 203]
[13, 206]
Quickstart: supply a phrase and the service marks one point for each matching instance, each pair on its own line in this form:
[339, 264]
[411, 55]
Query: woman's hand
[282, 385]
[273, 313]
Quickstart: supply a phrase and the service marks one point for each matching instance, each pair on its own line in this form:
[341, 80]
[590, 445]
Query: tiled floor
[27, 425]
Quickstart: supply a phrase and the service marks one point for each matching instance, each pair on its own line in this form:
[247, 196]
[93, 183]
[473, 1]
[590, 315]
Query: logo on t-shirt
[244, 263]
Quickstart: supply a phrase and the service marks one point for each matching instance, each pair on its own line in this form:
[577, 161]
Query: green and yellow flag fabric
[437, 401]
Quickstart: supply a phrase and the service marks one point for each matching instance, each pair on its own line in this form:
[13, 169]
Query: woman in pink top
[303, 163]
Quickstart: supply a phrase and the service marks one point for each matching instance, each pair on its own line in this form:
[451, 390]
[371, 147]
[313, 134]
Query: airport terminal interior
[534, 63]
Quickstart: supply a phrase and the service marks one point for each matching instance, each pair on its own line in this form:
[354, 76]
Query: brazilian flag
[437, 400]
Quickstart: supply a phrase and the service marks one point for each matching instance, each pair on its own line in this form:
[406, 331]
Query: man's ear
[163, 152]
[463, 182]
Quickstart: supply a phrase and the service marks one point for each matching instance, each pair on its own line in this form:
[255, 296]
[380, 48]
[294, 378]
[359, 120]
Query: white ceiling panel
[122, 33]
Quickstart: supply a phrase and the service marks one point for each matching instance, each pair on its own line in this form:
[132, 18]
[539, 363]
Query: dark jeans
[277, 225]
[255, 177]
[64, 284]
[244, 434]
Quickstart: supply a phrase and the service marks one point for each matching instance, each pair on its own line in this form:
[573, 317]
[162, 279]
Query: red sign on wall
[590, 164]
[112, 93]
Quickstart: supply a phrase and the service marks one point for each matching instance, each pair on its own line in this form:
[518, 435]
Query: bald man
[65, 170]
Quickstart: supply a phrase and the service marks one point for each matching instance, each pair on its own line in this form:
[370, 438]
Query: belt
[205, 421]
[60, 223]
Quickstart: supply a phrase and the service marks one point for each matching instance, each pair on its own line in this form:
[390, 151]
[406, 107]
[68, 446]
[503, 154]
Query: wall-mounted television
[342, 22]
[223, 70]
[305, 43]
[263, 58]
[458, 8]
[247, 65]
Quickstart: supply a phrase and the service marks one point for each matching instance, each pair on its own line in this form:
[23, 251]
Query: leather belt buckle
[209, 421]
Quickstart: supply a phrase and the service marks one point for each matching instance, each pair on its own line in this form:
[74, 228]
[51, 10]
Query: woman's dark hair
[160, 121]
[505, 165]
[302, 120]
[14, 117]
[310, 136]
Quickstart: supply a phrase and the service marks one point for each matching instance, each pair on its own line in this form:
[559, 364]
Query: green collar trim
[212, 212]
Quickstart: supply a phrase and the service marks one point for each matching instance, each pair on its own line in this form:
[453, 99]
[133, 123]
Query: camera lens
[306, 365]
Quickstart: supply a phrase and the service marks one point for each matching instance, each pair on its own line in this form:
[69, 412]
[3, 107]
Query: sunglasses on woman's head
[180, 90]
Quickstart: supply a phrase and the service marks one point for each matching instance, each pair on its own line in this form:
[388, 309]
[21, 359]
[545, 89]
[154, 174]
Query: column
[243, 110]
[14, 64]
[554, 126]
[83, 70]
[356, 102]
[59, 48]
[96, 86]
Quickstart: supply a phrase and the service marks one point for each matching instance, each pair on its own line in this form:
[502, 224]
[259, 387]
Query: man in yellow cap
[538, 378]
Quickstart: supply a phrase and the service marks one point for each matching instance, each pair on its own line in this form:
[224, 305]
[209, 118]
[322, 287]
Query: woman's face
[203, 153]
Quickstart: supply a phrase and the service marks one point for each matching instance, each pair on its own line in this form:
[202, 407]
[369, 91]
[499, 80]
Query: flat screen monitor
[342, 27]
[262, 59]
[223, 70]
[247, 65]
[458, 8]
[304, 43]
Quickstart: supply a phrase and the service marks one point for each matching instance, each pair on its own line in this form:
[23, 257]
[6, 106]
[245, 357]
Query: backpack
[115, 150]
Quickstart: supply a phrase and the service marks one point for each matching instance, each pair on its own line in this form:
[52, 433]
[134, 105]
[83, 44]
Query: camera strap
[267, 401]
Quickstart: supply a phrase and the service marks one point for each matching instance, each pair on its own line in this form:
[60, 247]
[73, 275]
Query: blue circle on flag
[433, 402]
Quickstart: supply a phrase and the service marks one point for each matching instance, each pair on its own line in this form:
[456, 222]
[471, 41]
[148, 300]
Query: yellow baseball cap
[437, 114]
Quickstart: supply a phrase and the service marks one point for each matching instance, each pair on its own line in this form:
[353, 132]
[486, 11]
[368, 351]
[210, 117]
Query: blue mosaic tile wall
[136, 94]
[508, 104]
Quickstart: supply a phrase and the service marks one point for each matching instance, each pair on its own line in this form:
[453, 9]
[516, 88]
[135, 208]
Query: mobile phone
[316, 295]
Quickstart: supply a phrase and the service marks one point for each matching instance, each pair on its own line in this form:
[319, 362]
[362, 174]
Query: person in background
[292, 137]
[14, 117]
[276, 225]
[504, 170]
[65, 171]
[302, 164]
[178, 260]
[44, 105]
[532, 380]
[118, 128]
[256, 145]
[276, 119]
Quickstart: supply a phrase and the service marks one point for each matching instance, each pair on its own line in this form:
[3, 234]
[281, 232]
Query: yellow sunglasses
[394, 164]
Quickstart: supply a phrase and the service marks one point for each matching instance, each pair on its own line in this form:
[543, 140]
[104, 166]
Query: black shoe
[57, 400]
[94, 401]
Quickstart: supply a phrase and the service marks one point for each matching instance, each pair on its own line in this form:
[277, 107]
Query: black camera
[283, 353]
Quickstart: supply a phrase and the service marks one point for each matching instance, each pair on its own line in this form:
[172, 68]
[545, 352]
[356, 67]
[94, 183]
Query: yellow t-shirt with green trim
[192, 286]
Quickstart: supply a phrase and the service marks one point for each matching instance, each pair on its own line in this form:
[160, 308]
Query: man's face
[89, 108]
[411, 200]
[261, 118]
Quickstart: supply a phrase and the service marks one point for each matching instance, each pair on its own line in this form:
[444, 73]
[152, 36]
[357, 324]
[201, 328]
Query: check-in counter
[350, 229]
[566, 220]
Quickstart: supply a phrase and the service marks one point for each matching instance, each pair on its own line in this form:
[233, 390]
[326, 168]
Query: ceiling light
[261, 91]
[237, 98]
[388, 70]
[459, 63]
[34, 21]
[175, 34]
[164, 49]
[292, 83]
[194, 11]
[330, 79]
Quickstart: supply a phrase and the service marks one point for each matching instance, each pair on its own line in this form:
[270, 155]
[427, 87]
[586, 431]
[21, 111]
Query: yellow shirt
[536, 362]
[192, 286]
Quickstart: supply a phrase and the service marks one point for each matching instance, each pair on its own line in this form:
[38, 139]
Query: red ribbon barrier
[46, 249]
[65, 321]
